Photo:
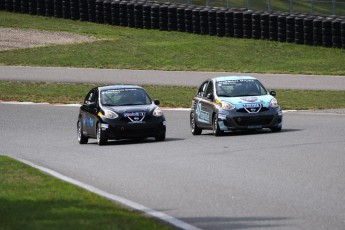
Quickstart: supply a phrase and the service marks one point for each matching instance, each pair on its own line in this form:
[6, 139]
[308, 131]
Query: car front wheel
[193, 126]
[276, 129]
[160, 137]
[101, 139]
[81, 138]
[216, 129]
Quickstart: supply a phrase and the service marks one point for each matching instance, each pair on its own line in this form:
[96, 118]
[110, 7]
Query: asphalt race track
[156, 77]
[294, 179]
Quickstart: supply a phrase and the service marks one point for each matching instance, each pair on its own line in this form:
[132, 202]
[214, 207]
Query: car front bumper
[234, 120]
[123, 130]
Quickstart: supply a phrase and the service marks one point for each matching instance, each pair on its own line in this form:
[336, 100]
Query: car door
[207, 103]
[89, 112]
[202, 108]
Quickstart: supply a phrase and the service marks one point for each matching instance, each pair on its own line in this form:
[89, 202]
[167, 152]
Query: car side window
[209, 89]
[202, 89]
[91, 97]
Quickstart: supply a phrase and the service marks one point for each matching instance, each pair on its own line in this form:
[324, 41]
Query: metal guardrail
[312, 7]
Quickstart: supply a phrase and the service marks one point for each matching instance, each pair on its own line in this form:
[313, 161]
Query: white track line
[147, 211]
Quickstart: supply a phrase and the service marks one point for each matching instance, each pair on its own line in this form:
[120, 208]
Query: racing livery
[119, 112]
[234, 103]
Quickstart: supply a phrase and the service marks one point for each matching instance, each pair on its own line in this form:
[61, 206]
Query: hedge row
[238, 23]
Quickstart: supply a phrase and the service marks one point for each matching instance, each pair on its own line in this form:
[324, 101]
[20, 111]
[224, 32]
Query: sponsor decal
[252, 108]
[134, 114]
[104, 126]
[91, 122]
[249, 106]
[249, 99]
[88, 121]
[221, 116]
[203, 116]
[135, 117]
[84, 118]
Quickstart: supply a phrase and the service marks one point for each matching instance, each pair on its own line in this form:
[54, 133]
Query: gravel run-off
[19, 38]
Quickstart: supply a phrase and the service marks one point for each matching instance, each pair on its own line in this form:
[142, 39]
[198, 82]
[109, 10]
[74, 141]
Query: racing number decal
[203, 116]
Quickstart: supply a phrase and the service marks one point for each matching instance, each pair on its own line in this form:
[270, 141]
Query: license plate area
[135, 117]
[252, 108]
[134, 114]
[249, 106]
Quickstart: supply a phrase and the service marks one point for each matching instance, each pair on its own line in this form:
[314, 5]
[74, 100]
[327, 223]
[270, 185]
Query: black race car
[119, 112]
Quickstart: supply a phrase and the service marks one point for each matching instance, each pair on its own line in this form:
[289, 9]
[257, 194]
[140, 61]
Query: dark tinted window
[237, 88]
[209, 89]
[91, 97]
[202, 89]
[121, 97]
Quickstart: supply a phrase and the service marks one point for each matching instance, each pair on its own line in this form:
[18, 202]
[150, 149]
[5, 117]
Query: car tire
[81, 138]
[193, 126]
[276, 129]
[216, 129]
[160, 137]
[101, 140]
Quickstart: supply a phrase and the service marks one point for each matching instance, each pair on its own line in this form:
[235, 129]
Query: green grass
[32, 200]
[170, 96]
[128, 48]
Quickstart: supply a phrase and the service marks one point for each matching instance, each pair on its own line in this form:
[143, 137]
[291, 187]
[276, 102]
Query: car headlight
[110, 114]
[226, 105]
[274, 103]
[157, 112]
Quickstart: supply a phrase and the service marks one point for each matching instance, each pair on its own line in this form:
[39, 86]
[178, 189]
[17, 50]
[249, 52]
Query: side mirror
[91, 105]
[273, 93]
[156, 102]
[210, 96]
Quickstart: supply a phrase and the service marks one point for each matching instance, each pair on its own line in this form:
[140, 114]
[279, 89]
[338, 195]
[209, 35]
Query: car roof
[232, 78]
[107, 87]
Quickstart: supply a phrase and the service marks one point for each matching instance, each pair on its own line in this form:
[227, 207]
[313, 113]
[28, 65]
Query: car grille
[263, 109]
[253, 120]
[138, 118]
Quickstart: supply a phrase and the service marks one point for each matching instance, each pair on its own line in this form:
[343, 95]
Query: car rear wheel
[216, 129]
[193, 126]
[81, 138]
[101, 139]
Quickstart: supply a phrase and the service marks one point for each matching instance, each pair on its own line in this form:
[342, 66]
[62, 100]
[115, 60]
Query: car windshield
[123, 97]
[240, 88]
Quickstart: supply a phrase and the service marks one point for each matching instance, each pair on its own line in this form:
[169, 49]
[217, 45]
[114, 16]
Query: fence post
[334, 7]
[312, 5]
[228, 4]
[269, 3]
[291, 7]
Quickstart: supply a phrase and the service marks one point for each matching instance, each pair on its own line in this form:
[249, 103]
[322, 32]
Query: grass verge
[32, 200]
[170, 96]
[129, 48]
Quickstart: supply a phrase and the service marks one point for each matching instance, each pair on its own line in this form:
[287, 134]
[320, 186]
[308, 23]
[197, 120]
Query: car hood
[238, 102]
[132, 108]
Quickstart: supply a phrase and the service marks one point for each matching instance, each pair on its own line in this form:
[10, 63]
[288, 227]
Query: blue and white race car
[234, 103]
